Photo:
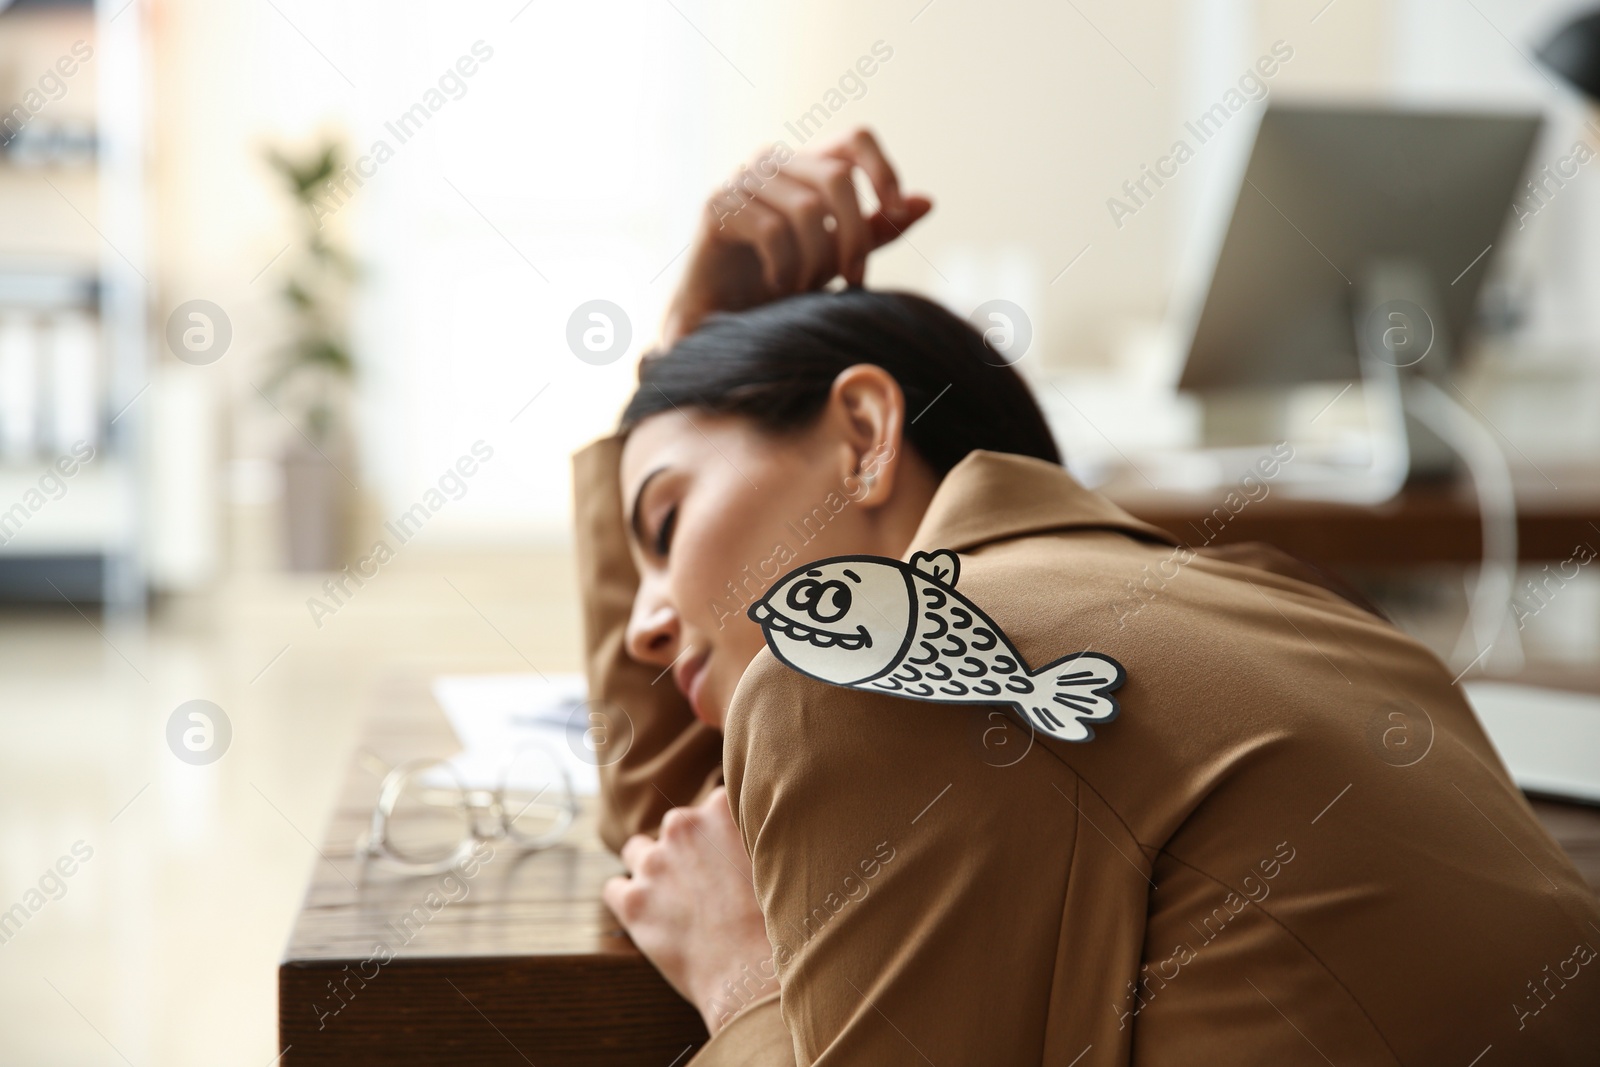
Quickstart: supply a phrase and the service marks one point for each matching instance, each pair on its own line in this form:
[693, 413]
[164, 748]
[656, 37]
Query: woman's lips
[690, 680]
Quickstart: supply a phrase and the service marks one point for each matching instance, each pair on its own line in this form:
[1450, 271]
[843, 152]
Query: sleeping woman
[959, 763]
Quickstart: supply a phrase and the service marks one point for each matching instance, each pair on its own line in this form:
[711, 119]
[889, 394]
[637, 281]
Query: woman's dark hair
[776, 363]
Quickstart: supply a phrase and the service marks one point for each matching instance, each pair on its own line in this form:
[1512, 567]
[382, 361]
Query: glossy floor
[161, 947]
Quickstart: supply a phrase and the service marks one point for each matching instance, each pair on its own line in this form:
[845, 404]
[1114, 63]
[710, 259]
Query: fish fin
[941, 566]
[1051, 723]
[1079, 687]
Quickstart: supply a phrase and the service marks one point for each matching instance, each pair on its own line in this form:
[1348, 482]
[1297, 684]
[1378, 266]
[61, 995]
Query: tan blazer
[1293, 845]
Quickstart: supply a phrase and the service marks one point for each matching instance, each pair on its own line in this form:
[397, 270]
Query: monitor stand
[1400, 338]
[1404, 367]
[1401, 346]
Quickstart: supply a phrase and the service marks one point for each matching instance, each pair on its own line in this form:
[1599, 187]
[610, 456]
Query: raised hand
[789, 223]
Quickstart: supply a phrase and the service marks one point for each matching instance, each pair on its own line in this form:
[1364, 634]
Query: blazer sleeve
[653, 753]
[756, 1037]
[929, 892]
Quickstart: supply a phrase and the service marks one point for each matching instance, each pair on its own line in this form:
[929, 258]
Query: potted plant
[310, 383]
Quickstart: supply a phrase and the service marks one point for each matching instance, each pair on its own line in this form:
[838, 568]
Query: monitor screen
[1330, 195]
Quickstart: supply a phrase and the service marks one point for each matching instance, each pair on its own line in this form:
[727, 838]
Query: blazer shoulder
[783, 722]
[775, 700]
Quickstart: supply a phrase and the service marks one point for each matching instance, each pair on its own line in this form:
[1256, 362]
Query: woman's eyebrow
[638, 496]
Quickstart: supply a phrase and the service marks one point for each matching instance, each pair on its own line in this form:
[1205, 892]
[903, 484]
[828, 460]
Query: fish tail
[1071, 692]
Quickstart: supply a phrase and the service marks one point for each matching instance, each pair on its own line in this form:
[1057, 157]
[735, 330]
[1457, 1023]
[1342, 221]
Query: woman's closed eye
[663, 539]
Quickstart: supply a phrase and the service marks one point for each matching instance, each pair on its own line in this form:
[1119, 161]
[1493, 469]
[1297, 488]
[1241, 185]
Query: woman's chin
[704, 702]
[712, 714]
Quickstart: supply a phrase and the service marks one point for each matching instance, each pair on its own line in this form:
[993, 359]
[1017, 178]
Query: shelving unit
[74, 335]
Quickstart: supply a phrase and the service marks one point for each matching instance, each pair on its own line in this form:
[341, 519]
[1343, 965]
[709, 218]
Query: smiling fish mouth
[776, 623]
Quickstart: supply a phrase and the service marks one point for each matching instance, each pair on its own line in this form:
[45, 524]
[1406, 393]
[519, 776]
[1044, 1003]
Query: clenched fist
[690, 905]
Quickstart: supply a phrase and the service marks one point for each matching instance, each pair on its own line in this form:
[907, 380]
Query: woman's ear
[868, 410]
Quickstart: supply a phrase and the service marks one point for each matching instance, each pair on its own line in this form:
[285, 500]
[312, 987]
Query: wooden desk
[527, 966]
[524, 965]
[1426, 524]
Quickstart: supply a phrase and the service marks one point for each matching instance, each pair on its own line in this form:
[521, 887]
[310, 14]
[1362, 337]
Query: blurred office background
[559, 156]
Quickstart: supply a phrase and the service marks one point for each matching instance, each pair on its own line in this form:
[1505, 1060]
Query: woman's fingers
[614, 894]
[786, 223]
[861, 149]
[766, 231]
[785, 217]
[830, 178]
[885, 226]
[897, 211]
[633, 851]
[805, 210]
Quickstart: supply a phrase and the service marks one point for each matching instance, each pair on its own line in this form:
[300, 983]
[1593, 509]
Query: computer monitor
[1357, 246]
[1342, 212]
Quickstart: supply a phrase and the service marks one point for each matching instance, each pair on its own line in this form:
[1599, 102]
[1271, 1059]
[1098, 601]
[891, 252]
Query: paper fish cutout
[881, 625]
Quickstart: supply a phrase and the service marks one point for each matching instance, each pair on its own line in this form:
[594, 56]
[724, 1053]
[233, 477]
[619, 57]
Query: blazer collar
[993, 496]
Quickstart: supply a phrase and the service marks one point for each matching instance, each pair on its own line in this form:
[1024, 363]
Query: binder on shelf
[73, 351]
[19, 394]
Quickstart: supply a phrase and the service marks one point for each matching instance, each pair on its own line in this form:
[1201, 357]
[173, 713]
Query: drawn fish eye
[823, 602]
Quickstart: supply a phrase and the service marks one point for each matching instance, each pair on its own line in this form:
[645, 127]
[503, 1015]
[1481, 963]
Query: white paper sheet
[495, 715]
[1549, 738]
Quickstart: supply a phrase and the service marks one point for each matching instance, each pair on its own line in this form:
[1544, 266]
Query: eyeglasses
[426, 820]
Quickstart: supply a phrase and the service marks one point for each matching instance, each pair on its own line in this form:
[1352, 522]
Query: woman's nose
[653, 629]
